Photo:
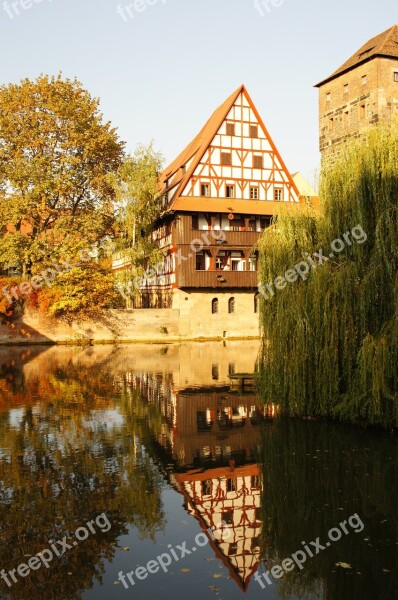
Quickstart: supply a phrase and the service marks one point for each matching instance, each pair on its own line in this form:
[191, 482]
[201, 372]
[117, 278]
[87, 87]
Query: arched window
[256, 302]
[214, 306]
[231, 305]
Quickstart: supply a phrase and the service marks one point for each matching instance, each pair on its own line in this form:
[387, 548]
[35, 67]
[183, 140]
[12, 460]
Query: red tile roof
[384, 44]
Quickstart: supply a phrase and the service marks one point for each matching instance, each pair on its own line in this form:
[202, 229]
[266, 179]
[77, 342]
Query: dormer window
[253, 131]
[328, 97]
[346, 88]
[364, 79]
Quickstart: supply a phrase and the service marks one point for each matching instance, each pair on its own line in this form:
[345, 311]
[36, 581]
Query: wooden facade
[218, 196]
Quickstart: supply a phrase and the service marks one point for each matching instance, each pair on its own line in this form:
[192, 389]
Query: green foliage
[331, 343]
[56, 161]
[139, 206]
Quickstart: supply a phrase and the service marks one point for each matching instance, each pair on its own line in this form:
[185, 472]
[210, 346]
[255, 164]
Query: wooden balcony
[188, 277]
[236, 239]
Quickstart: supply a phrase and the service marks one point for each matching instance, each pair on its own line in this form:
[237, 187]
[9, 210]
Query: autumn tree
[56, 160]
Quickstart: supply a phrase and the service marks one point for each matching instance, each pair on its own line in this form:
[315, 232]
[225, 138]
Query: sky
[161, 67]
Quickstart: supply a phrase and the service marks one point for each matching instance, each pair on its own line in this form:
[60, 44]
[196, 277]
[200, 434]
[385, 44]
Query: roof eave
[337, 74]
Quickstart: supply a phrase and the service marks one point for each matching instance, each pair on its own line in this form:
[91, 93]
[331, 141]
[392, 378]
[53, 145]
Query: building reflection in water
[210, 435]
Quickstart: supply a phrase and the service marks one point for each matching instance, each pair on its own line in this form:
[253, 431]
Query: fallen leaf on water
[116, 582]
[185, 570]
[343, 565]
[126, 548]
[386, 570]
[217, 575]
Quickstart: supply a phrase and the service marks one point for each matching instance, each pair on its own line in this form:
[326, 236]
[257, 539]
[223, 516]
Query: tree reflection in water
[71, 447]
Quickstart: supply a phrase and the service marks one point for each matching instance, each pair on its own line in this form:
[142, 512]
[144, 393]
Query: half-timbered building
[218, 196]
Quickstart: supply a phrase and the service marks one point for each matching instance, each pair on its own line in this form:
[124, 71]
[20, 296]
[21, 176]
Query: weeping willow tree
[330, 338]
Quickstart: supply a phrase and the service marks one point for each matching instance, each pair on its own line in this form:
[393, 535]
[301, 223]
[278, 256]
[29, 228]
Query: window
[346, 88]
[203, 421]
[362, 111]
[265, 222]
[331, 123]
[256, 302]
[226, 158]
[214, 307]
[252, 225]
[231, 305]
[345, 118]
[253, 262]
[396, 76]
[231, 368]
[255, 482]
[231, 485]
[206, 487]
[257, 162]
[328, 97]
[230, 191]
[253, 131]
[236, 261]
[227, 517]
[364, 79]
[253, 193]
[230, 128]
[195, 222]
[233, 549]
[200, 261]
[278, 194]
[221, 261]
[205, 190]
[215, 371]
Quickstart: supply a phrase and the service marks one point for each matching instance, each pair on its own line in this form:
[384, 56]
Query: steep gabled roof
[176, 176]
[384, 44]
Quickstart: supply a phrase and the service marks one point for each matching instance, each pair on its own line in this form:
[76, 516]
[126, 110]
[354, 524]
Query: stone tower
[362, 92]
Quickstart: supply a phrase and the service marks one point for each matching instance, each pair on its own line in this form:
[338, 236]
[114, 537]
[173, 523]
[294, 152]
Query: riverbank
[150, 326]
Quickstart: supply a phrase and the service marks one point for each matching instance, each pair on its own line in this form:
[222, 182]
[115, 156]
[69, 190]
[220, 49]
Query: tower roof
[384, 44]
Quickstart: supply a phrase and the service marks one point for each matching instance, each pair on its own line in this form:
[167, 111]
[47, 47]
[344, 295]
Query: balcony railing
[231, 238]
[218, 279]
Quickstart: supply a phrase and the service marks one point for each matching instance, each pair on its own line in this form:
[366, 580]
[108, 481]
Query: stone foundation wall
[190, 318]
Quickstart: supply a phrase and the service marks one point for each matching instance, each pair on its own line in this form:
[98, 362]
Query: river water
[137, 472]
